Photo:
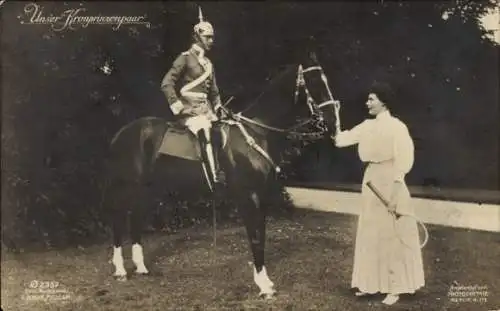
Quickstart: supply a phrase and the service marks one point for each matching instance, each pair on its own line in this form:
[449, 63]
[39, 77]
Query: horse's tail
[133, 147]
[144, 124]
[126, 153]
[135, 133]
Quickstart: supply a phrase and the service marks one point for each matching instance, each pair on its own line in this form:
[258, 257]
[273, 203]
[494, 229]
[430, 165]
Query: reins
[313, 135]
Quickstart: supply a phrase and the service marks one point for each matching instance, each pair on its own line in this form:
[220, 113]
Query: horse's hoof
[141, 272]
[121, 278]
[268, 295]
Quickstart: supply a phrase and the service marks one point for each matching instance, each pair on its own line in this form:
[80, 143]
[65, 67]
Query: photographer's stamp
[468, 293]
[46, 291]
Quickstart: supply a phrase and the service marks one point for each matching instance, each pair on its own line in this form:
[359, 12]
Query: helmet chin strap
[200, 28]
[200, 42]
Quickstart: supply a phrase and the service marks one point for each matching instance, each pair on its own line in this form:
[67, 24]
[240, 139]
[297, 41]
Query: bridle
[314, 108]
[316, 118]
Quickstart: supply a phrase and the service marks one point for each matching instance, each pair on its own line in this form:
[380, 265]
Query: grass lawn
[309, 258]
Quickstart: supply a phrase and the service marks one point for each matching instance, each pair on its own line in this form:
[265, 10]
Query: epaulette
[185, 53]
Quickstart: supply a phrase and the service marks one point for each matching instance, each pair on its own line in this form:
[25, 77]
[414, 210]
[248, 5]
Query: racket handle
[377, 193]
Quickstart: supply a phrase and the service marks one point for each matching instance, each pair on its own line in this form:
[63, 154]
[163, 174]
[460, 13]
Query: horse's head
[321, 106]
[298, 101]
[295, 109]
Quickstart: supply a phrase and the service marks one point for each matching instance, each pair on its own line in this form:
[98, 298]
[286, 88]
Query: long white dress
[387, 257]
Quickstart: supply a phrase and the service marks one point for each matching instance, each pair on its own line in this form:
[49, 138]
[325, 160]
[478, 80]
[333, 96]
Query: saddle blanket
[180, 142]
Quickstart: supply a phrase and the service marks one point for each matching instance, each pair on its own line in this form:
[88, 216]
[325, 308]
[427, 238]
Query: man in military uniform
[193, 75]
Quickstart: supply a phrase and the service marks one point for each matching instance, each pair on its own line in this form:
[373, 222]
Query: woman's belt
[368, 163]
[380, 162]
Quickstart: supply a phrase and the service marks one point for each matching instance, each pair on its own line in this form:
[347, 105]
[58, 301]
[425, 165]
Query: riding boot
[216, 141]
[205, 160]
[219, 177]
[208, 159]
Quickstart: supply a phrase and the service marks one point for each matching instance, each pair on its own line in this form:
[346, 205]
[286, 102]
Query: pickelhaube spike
[203, 27]
[200, 14]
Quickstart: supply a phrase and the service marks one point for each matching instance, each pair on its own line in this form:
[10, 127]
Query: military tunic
[191, 80]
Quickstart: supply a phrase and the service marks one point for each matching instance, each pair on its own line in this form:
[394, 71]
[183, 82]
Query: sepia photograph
[250, 155]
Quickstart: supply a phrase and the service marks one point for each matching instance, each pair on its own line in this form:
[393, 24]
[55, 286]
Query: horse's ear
[311, 50]
[313, 56]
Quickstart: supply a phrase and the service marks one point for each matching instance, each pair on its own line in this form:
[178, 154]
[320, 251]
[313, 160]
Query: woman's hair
[383, 91]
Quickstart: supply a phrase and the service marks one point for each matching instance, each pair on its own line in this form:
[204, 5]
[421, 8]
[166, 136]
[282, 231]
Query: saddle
[180, 142]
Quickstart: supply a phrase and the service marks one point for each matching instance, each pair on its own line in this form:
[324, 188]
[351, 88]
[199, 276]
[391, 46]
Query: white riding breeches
[196, 123]
[204, 122]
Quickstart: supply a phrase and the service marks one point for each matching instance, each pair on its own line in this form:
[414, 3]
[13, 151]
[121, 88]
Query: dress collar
[383, 115]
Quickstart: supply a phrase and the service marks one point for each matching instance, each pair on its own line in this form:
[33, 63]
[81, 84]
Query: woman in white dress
[387, 256]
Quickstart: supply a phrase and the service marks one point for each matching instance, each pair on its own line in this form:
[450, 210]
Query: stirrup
[219, 177]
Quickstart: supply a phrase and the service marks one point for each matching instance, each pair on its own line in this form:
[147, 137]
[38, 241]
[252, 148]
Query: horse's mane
[274, 106]
[270, 87]
[275, 98]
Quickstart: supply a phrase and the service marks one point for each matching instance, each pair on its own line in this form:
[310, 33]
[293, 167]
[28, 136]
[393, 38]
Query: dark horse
[252, 140]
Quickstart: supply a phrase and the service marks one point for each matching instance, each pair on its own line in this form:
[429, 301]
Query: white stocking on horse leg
[263, 282]
[138, 259]
[120, 271]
